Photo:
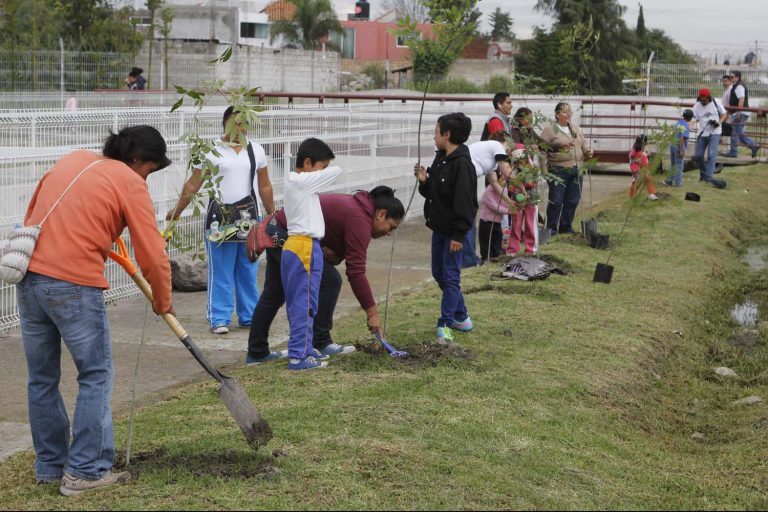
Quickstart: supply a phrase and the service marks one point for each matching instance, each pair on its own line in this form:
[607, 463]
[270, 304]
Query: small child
[450, 189]
[638, 164]
[525, 211]
[677, 150]
[301, 265]
[493, 208]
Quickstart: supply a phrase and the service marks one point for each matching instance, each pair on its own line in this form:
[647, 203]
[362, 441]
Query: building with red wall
[371, 40]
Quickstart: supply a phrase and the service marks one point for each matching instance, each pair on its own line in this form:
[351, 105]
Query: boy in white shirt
[301, 265]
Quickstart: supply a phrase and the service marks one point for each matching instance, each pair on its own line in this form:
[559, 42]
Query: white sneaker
[220, 329]
[652, 197]
[72, 486]
[336, 349]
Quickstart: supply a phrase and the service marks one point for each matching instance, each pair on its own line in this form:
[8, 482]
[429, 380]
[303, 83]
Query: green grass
[580, 396]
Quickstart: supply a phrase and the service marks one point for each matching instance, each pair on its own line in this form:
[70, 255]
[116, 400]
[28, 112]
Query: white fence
[374, 143]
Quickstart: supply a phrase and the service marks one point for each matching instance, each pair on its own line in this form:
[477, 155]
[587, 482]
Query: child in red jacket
[638, 165]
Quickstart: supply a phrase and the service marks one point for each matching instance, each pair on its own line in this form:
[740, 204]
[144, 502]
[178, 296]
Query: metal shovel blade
[254, 427]
[393, 352]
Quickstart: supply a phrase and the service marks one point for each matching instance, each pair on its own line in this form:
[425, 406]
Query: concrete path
[165, 362]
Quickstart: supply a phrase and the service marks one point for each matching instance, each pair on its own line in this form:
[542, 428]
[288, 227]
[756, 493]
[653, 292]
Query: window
[254, 30]
[345, 41]
[403, 40]
[141, 21]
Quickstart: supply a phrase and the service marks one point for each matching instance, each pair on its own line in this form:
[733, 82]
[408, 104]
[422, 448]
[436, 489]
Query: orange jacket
[77, 237]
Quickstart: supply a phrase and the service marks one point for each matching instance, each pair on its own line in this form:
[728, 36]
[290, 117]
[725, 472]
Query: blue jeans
[563, 200]
[231, 283]
[52, 310]
[738, 124]
[446, 269]
[676, 167]
[469, 253]
[707, 145]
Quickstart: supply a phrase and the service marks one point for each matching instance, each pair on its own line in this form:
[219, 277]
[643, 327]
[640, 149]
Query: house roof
[279, 10]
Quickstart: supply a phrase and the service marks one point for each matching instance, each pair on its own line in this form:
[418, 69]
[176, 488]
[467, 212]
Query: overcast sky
[703, 26]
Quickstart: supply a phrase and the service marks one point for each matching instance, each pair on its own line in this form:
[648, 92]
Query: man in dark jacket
[351, 221]
[449, 187]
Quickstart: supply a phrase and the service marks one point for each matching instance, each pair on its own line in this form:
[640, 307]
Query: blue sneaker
[335, 349]
[463, 326]
[272, 356]
[319, 355]
[308, 363]
[444, 334]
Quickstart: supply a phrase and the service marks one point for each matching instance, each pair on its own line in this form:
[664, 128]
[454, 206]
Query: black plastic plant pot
[603, 273]
[692, 196]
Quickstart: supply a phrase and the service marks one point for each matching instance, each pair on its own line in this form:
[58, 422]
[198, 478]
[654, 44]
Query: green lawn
[580, 395]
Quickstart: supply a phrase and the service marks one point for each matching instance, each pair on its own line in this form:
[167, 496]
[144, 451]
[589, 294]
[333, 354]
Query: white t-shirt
[727, 95]
[709, 112]
[235, 171]
[486, 156]
[302, 203]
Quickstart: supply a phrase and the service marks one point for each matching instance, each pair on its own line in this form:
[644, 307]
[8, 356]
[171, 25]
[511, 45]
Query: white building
[224, 21]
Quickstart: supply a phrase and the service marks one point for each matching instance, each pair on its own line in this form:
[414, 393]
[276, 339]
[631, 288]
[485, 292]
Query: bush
[377, 75]
[499, 83]
[447, 86]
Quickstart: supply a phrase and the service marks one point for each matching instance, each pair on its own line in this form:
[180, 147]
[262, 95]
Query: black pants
[272, 299]
[492, 230]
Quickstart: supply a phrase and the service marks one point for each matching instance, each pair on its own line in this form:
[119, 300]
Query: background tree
[640, 30]
[501, 26]
[455, 22]
[470, 16]
[166, 18]
[413, 9]
[312, 22]
[152, 7]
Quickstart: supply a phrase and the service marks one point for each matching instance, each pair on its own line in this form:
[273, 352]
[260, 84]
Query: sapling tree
[246, 107]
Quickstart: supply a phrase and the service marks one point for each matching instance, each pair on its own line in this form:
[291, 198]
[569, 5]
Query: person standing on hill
[91, 199]
[739, 97]
[449, 187]
[499, 120]
[710, 115]
[567, 149]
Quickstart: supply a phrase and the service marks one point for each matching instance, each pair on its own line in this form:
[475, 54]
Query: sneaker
[652, 197]
[72, 486]
[319, 355]
[335, 349]
[731, 155]
[272, 356]
[668, 182]
[219, 329]
[755, 150]
[444, 334]
[463, 326]
[308, 363]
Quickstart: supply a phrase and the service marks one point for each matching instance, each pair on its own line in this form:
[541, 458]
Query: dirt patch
[664, 196]
[235, 465]
[427, 354]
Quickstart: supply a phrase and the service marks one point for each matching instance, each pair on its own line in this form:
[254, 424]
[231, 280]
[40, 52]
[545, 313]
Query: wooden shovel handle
[122, 258]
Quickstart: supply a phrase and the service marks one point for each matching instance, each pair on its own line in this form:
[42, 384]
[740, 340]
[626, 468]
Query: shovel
[392, 351]
[232, 393]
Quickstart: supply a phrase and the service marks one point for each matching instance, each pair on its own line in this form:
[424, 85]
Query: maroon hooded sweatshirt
[348, 225]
